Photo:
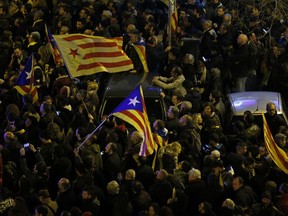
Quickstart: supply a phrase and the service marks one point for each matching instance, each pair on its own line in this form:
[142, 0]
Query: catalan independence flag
[25, 82]
[133, 110]
[141, 51]
[54, 50]
[278, 155]
[173, 15]
[86, 55]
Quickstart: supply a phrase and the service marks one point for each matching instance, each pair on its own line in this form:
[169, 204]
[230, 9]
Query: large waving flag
[278, 155]
[133, 110]
[86, 55]
[25, 82]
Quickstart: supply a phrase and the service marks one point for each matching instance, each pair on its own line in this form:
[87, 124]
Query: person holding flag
[25, 82]
[136, 51]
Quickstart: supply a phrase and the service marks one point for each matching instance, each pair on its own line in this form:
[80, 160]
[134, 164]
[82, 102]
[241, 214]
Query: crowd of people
[52, 164]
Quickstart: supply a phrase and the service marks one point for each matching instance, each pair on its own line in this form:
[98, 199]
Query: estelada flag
[25, 82]
[133, 110]
[87, 55]
[278, 155]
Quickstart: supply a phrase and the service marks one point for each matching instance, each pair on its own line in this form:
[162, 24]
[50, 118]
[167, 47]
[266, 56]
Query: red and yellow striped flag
[86, 55]
[278, 155]
[133, 110]
[172, 13]
[25, 82]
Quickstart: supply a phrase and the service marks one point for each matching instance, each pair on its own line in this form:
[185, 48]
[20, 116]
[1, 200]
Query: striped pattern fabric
[86, 55]
[25, 82]
[133, 110]
[54, 50]
[174, 15]
[278, 155]
[141, 51]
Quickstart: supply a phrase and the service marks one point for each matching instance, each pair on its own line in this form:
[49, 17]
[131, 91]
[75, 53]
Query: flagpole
[169, 27]
[94, 131]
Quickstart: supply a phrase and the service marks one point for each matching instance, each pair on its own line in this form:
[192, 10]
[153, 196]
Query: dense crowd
[52, 164]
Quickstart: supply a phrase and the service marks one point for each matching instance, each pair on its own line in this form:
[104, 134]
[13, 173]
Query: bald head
[242, 39]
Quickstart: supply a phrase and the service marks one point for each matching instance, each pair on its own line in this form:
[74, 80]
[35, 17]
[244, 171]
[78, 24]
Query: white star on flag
[29, 74]
[133, 101]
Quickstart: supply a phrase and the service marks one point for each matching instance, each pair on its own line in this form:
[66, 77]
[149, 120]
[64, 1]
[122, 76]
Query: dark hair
[41, 209]
[216, 94]
[178, 70]
[214, 137]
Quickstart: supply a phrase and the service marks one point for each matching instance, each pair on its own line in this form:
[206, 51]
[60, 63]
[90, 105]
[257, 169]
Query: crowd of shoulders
[52, 162]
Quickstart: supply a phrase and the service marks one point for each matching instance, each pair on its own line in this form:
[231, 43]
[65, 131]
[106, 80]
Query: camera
[26, 146]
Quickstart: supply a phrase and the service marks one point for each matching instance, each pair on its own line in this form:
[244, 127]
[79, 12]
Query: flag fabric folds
[174, 15]
[278, 155]
[87, 55]
[55, 52]
[141, 51]
[133, 110]
[25, 82]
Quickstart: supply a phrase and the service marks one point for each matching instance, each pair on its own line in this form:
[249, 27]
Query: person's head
[262, 150]
[176, 98]
[130, 174]
[207, 24]
[43, 195]
[83, 13]
[194, 174]
[237, 183]
[271, 109]
[34, 37]
[45, 108]
[242, 39]
[173, 112]
[87, 193]
[266, 198]
[136, 137]
[63, 184]
[227, 18]
[186, 120]
[153, 209]
[162, 175]
[280, 139]
[134, 35]
[113, 188]
[241, 148]
[63, 10]
[215, 96]
[18, 52]
[80, 24]
[214, 139]
[158, 124]
[64, 30]
[220, 11]
[176, 72]
[41, 210]
[208, 109]
[205, 208]
[197, 119]
[110, 148]
[188, 59]
[186, 106]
